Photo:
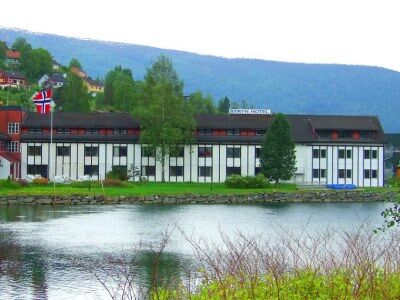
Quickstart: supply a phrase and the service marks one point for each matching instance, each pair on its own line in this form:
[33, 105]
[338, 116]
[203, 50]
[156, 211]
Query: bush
[246, 182]
[85, 184]
[119, 173]
[394, 181]
[40, 180]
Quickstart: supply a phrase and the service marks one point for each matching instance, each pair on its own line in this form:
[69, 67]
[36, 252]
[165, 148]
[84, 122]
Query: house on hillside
[79, 72]
[56, 80]
[56, 65]
[12, 57]
[12, 79]
[93, 86]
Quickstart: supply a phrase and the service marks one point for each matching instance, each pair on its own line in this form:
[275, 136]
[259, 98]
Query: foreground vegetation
[132, 188]
[290, 265]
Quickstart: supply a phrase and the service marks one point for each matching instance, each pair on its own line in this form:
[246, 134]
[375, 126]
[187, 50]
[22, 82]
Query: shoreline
[244, 198]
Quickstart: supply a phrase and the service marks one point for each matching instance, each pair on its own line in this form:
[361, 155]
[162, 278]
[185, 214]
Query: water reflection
[41, 245]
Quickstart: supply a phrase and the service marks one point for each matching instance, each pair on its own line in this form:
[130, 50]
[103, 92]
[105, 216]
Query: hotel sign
[250, 111]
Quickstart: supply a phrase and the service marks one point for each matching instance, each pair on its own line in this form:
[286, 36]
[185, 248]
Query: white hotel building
[329, 149]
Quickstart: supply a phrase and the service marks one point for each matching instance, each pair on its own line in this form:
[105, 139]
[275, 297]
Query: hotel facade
[329, 149]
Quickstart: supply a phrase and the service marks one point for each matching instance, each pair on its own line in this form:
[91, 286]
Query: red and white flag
[42, 101]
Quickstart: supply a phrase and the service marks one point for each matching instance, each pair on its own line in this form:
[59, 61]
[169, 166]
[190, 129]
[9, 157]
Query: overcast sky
[365, 32]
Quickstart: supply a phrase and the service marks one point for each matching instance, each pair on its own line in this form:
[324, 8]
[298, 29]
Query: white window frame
[13, 128]
[13, 147]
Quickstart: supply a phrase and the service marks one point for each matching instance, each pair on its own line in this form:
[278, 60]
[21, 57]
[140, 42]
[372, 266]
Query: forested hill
[284, 87]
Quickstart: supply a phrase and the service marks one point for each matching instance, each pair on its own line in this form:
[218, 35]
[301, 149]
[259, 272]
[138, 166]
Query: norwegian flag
[42, 101]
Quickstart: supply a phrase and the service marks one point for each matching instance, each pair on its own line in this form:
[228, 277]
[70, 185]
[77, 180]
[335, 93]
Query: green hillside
[284, 87]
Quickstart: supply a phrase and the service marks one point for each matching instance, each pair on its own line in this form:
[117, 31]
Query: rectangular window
[148, 171]
[37, 170]
[345, 134]
[232, 152]
[374, 154]
[315, 153]
[148, 152]
[13, 128]
[323, 173]
[374, 174]
[13, 146]
[260, 132]
[63, 151]
[205, 151]
[176, 171]
[341, 173]
[341, 153]
[257, 170]
[315, 173]
[349, 153]
[319, 153]
[91, 150]
[367, 174]
[35, 130]
[64, 130]
[119, 131]
[205, 132]
[233, 171]
[235, 131]
[258, 152]
[204, 171]
[348, 174]
[366, 134]
[91, 170]
[34, 150]
[91, 130]
[119, 151]
[367, 154]
[323, 153]
[324, 134]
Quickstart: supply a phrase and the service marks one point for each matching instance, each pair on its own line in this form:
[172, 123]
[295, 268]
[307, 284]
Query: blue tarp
[341, 186]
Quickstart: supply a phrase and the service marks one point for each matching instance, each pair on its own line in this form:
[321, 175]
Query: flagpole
[51, 129]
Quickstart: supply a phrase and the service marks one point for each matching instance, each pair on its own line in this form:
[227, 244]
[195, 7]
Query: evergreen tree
[74, 96]
[224, 105]
[166, 122]
[278, 155]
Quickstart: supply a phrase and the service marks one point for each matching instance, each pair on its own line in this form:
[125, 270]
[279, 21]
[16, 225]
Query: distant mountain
[294, 88]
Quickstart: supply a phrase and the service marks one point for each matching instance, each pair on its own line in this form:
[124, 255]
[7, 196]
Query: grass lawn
[151, 188]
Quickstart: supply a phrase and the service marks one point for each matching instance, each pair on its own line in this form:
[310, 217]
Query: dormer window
[324, 134]
[205, 132]
[345, 134]
[91, 130]
[119, 131]
[63, 130]
[367, 134]
[260, 132]
[235, 131]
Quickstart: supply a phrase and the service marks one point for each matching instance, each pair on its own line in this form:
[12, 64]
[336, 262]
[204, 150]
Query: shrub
[85, 184]
[394, 181]
[40, 180]
[119, 173]
[23, 182]
[246, 182]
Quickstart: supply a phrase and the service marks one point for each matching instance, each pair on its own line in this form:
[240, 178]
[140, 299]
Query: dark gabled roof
[4, 137]
[345, 122]
[88, 138]
[394, 139]
[57, 77]
[81, 120]
[12, 108]
[14, 74]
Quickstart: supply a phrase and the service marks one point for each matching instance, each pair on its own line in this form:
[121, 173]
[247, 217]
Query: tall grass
[328, 265]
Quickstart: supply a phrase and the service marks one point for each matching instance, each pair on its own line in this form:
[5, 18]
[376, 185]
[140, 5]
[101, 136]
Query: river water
[42, 247]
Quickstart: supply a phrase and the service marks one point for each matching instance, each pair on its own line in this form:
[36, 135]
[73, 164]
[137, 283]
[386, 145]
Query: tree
[278, 158]
[224, 105]
[75, 63]
[3, 48]
[200, 104]
[21, 45]
[74, 95]
[36, 62]
[120, 89]
[166, 122]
